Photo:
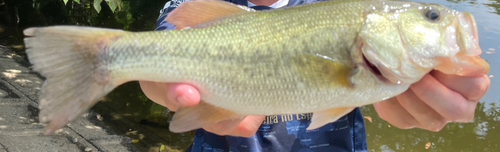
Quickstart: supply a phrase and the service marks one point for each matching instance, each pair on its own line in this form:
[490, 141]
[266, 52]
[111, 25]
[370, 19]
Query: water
[127, 111]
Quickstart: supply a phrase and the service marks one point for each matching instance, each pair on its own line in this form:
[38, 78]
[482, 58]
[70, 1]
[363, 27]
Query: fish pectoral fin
[202, 115]
[464, 65]
[322, 118]
[323, 72]
[193, 13]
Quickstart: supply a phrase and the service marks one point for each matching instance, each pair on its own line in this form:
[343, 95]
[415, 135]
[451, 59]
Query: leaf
[135, 141]
[113, 4]
[97, 5]
[427, 145]
[368, 118]
[77, 1]
[65, 2]
[162, 147]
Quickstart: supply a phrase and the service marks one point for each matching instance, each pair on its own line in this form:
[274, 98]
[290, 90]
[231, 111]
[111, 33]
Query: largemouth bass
[325, 58]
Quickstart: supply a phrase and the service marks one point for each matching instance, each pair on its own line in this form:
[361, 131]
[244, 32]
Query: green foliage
[66, 1]
[113, 4]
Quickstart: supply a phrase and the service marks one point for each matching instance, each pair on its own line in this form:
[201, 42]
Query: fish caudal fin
[321, 118]
[202, 115]
[68, 57]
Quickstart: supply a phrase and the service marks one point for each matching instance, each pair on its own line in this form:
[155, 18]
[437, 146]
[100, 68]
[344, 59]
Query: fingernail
[182, 100]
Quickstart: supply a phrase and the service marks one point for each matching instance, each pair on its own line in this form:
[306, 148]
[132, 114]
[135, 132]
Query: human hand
[173, 96]
[435, 101]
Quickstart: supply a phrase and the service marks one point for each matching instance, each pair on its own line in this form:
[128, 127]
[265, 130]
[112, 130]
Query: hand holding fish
[434, 101]
[174, 96]
[171, 96]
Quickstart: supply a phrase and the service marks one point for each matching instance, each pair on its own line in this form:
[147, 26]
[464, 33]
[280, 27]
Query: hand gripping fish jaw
[416, 49]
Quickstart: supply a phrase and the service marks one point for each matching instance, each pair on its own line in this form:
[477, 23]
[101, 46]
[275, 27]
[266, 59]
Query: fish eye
[432, 14]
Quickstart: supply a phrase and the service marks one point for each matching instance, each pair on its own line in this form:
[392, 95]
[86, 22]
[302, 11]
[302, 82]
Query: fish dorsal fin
[192, 13]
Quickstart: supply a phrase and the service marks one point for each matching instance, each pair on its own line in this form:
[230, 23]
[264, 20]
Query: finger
[472, 88]
[183, 95]
[448, 103]
[392, 112]
[426, 117]
[246, 127]
[156, 92]
[224, 128]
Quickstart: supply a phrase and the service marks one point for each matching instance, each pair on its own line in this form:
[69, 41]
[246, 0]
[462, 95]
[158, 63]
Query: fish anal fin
[193, 13]
[324, 117]
[323, 72]
[194, 117]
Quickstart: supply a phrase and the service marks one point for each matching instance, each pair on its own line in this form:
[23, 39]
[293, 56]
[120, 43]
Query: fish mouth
[468, 34]
[374, 70]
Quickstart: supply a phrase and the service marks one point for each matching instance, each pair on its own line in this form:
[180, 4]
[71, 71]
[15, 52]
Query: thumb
[182, 95]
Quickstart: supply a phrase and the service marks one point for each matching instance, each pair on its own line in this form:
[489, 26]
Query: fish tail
[70, 59]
